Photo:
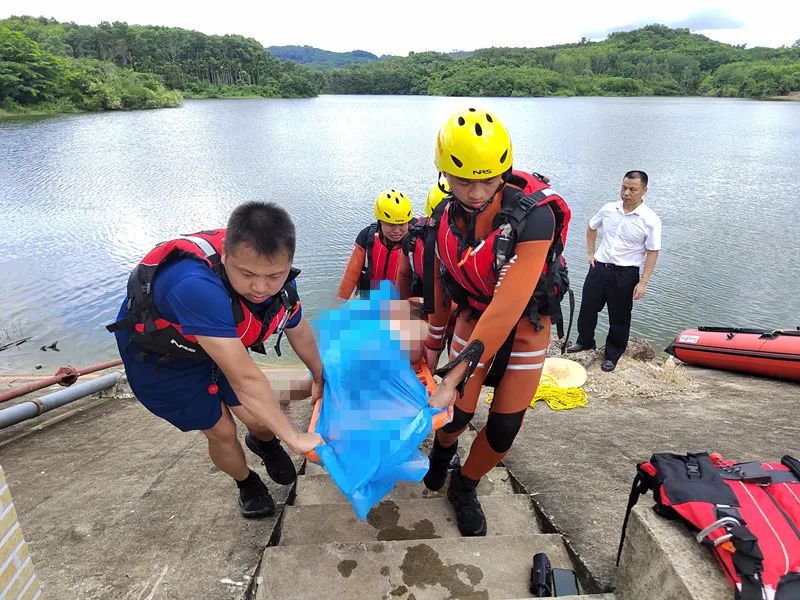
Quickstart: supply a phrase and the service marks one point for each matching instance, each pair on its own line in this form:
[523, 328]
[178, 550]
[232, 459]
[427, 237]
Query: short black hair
[637, 175]
[263, 226]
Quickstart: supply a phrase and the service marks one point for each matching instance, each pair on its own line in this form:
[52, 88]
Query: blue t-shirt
[186, 292]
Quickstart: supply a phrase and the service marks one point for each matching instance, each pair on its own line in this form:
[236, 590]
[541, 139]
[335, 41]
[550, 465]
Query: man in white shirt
[631, 240]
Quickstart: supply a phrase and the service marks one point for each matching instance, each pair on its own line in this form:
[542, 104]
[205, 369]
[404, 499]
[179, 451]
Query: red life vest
[471, 267]
[748, 514]
[380, 262]
[157, 335]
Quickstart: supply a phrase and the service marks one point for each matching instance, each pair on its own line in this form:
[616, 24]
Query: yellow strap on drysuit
[557, 398]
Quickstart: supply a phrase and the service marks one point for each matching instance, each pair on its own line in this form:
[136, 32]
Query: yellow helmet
[473, 144]
[393, 207]
[438, 192]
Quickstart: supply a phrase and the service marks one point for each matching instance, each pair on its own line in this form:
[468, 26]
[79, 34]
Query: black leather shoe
[278, 463]
[576, 347]
[255, 501]
[608, 365]
[463, 496]
[440, 459]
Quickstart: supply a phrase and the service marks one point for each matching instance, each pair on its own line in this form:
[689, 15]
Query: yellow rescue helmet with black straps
[438, 192]
[473, 144]
[393, 207]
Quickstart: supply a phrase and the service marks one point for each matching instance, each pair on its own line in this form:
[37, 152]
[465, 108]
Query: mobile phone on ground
[565, 582]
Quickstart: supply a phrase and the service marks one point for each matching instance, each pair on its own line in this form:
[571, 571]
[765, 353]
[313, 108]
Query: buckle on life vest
[723, 522]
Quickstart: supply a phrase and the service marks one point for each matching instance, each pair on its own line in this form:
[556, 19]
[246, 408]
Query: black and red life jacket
[414, 249]
[380, 261]
[156, 335]
[748, 514]
[471, 267]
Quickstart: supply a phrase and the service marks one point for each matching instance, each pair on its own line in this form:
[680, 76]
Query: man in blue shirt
[194, 307]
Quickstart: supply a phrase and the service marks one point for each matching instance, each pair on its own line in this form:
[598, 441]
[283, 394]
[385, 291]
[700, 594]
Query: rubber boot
[464, 497]
[440, 458]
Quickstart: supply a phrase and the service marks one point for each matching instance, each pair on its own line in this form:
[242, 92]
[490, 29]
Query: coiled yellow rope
[557, 398]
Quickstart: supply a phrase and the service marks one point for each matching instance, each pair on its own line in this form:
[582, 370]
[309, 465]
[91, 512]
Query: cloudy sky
[400, 26]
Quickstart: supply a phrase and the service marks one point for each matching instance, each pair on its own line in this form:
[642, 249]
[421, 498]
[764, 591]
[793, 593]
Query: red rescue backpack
[748, 514]
[414, 249]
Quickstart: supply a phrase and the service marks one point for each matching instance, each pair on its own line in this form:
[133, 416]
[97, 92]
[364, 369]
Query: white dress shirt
[626, 237]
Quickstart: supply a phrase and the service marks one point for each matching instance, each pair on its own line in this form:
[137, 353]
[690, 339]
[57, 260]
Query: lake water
[84, 197]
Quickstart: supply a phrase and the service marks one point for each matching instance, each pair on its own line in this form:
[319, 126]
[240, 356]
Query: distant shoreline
[39, 112]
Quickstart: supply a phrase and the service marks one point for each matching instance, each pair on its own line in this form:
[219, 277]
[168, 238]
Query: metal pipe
[64, 376]
[33, 408]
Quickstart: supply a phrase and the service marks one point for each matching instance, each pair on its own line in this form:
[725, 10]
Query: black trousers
[612, 285]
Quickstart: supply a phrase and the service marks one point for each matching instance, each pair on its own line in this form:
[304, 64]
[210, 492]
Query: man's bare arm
[254, 391]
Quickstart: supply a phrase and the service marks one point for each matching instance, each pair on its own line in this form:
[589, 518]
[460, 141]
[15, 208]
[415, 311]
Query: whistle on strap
[472, 355]
[470, 251]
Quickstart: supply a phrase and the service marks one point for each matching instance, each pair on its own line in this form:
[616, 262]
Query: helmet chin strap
[503, 180]
[474, 211]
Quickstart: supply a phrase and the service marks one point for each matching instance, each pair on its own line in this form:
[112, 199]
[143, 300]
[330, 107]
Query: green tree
[573, 63]
[185, 60]
[651, 60]
[27, 75]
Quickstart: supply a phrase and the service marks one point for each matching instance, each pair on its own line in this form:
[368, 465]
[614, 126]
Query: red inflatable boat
[757, 351]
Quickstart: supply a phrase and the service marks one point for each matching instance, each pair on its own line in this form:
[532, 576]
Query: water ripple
[84, 197]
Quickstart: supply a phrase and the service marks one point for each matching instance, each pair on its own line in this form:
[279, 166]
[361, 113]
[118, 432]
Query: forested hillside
[653, 60]
[50, 66]
[116, 65]
[315, 58]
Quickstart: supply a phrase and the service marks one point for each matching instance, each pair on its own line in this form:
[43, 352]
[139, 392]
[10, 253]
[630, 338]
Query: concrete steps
[318, 488]
[464, 444]
[418, 519]
[463, 568]
[408, 547]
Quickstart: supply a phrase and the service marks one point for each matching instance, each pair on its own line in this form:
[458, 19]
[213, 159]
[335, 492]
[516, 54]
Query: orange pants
[512, 395]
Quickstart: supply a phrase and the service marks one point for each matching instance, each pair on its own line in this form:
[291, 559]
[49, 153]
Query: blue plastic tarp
[375, 412]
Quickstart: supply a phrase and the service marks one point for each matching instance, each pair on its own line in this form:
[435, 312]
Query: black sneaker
[455, 462]
[463, 496]
[255, 501]
[278, 463]
[440, 459]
